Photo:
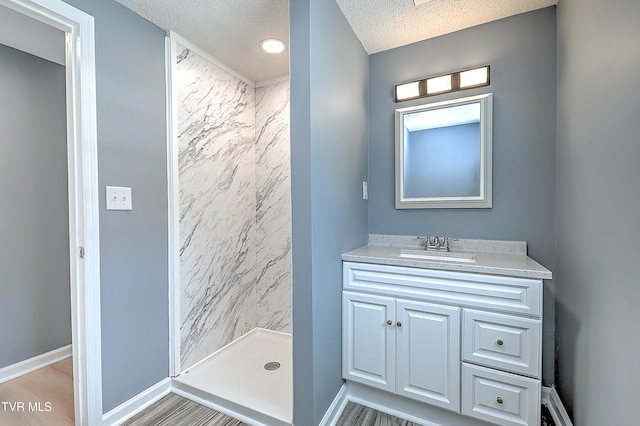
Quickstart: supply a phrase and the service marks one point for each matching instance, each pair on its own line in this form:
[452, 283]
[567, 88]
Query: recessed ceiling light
[419, 2]
[272, 45]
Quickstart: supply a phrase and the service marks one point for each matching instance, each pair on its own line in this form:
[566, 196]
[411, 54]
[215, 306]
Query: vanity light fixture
[408, 90]
[272, 45]
[460, 80]
[440, 84]
[476, 77]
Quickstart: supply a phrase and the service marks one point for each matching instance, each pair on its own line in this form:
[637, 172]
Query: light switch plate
[119, 198]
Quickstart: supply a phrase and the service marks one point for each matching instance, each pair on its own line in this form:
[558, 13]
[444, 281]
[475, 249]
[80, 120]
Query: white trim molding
[135, 405]
[32, 364]
[552, 400]
[272, 81]
[171, 51]
[336, 408]
[82, 159]
[411, 410]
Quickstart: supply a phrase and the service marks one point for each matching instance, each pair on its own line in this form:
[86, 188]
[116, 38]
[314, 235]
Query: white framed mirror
[443, 154]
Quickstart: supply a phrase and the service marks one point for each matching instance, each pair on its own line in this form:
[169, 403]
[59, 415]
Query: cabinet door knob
[399, 324]
[500, 342]
[499, 400]
[389, 322]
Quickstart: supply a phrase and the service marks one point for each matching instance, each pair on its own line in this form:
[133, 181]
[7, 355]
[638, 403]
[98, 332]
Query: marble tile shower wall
[273, 283]
[216, 180]
[233, 180]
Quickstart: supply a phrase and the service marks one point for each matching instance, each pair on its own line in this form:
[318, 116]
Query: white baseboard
[334, 411]
[551, 399]
[404, 408]
[27, 366]
[130, 408]
[355, 393]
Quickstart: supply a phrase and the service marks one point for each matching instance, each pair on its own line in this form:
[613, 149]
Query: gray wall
[598, 210]
[132, 147]
[329, 78]
[522, 53]
[35, 306]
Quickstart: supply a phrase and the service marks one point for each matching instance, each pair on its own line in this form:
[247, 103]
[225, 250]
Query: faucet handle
[432, 243]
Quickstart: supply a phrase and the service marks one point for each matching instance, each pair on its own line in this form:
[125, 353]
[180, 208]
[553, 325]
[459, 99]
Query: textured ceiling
[385, 24]
[228, 30]
[231, 30]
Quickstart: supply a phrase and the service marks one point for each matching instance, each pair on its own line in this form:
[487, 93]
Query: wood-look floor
[41, 398]
[174, 410]
[47, 398]
[355, 414]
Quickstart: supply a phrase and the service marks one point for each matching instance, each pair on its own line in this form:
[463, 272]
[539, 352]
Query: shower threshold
[250, 379]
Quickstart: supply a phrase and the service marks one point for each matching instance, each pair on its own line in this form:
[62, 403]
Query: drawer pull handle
[499, 400]
[389, 322]
[399, 324]
[500, 342]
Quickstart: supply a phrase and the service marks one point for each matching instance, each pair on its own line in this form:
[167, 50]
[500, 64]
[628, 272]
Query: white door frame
[173, 195]
[82, 165]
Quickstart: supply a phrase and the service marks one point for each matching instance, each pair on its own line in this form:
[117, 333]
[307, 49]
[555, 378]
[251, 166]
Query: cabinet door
[368, 340]
[428, 339]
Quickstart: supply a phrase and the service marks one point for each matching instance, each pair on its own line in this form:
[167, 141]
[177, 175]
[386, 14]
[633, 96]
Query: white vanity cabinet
[406, 347]
[463, 341]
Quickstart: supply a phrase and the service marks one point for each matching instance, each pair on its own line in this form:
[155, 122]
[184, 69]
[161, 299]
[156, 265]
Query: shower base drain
[273, 365]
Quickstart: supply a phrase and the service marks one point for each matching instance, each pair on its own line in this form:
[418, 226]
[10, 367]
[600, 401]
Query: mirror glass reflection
[443, 154]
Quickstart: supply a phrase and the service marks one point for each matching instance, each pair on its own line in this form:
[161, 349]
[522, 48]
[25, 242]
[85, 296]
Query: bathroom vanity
[459, 330]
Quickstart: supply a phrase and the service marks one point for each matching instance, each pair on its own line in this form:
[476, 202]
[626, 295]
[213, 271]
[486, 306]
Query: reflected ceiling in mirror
[443, 154]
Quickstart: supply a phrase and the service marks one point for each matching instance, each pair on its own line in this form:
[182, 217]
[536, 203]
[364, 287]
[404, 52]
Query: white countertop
[507, 262]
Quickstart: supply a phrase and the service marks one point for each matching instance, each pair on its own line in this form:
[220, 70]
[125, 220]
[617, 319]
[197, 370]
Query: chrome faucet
[436, 243]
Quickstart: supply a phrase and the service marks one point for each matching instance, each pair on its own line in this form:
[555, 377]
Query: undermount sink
[437, 256]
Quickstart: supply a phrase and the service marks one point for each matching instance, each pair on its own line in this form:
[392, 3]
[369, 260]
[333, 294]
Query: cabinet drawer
[502, 341]
[498, 397]
[495, 292]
